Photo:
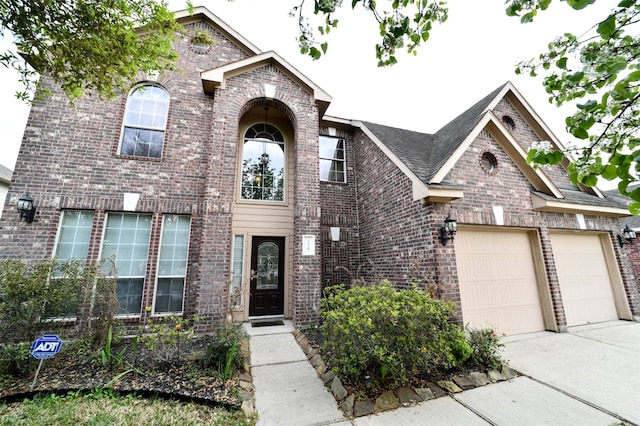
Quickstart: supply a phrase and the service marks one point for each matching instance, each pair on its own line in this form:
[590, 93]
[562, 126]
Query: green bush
[33, 296]
[486, 345]
[223, 351]
[379, 331]
[15, 359]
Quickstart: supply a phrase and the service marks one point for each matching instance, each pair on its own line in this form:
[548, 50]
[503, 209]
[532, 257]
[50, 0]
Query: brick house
[224, 189]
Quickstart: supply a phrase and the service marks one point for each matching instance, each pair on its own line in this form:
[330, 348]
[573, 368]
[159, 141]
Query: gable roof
[216, 77]
[201, 13]
[427, 159]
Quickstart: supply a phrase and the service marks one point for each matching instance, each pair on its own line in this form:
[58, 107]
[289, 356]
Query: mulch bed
[182, 378]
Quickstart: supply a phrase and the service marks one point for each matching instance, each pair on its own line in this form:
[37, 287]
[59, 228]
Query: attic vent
[489, 163]
[508, 121]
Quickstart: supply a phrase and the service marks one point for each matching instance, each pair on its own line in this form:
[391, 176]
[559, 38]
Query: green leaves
[377, 330]
[97, 46]
[580, 4]
[607, 27]
[537, 157]
[603, 67]
[403, 24]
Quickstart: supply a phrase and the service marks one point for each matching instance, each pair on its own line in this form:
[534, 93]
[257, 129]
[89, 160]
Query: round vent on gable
[489, 163]
[508, 121]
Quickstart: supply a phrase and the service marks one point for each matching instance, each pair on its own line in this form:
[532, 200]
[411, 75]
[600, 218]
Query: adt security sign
[46, 346]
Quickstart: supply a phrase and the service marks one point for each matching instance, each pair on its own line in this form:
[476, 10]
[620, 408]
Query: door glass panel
[267, 266]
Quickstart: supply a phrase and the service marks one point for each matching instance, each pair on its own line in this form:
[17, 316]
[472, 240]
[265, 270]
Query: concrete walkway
[589, 376]
[287, 389]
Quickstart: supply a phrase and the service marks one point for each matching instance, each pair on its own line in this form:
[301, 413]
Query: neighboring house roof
[5, 174]
[428, 158]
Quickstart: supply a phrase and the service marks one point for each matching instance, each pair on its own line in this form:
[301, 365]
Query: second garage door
[498, 285]
[585, 283]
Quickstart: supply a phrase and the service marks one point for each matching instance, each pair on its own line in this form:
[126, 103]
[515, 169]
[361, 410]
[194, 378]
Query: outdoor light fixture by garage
[26, 208]
[627, 237]
[448, 231]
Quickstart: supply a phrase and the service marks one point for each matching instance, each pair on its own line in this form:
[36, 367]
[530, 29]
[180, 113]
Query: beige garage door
[585, 283]
[498, 286]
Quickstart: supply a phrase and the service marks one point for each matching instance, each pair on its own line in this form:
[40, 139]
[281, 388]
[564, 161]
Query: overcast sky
[466, 58]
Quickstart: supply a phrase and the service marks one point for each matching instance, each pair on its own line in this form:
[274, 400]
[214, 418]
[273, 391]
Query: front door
[267, 276]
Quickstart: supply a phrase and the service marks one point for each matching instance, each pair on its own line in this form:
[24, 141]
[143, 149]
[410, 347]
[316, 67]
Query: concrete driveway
[598, 365]
[589, 376]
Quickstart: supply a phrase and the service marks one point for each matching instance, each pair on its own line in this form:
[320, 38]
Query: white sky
[466, 58]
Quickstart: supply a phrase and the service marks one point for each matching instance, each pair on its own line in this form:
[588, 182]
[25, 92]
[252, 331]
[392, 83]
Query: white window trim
[344, 161]
[124, 126]
[186, 271]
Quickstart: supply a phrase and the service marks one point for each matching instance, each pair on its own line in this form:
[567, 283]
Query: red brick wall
[340, 259]
[68, 160]
[395, 230]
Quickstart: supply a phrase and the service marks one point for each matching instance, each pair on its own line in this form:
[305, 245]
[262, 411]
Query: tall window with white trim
[332, 161]
[145, 120]
[72, 244]
[172, 264]
[126, 239]
[263, 164]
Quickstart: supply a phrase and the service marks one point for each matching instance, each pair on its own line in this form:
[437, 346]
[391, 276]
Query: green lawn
[108, 408]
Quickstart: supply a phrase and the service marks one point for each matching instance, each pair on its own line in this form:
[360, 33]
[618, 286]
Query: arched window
[263, 164]
[145, 120]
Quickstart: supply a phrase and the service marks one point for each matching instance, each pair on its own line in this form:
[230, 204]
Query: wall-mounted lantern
[448, 231]
[26, 208]
[627, 237]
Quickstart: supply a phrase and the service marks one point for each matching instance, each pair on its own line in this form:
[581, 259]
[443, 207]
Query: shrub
[163, 335]
[15, 359]
[32, 296]
[379, 331]
[486, 345]
[223, 351]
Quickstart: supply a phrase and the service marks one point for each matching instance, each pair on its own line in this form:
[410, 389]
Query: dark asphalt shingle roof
[579, 197]
[425, 154]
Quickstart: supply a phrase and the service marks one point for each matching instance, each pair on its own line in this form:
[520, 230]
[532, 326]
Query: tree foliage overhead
[600, 72]
[87, 45]
[402, 24]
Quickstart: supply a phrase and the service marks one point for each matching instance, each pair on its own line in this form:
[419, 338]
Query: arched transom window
[263, 163]
[145, 120]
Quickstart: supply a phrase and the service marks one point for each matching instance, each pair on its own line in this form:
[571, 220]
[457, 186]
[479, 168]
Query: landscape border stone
[353, 406]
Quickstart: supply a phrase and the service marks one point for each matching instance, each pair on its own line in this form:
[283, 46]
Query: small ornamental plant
[162, 336]
[485, 345]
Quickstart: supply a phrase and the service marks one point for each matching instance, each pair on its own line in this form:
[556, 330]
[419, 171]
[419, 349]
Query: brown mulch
[182, 378]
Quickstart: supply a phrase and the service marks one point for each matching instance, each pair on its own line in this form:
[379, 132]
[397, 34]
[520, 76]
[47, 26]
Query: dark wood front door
[267, 276]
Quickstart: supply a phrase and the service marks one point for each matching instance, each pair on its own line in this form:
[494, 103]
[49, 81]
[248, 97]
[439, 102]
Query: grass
[104, 407]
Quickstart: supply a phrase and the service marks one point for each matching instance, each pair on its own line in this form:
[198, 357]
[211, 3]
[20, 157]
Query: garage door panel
[585, 284]
[498, 286]
[517, 319]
